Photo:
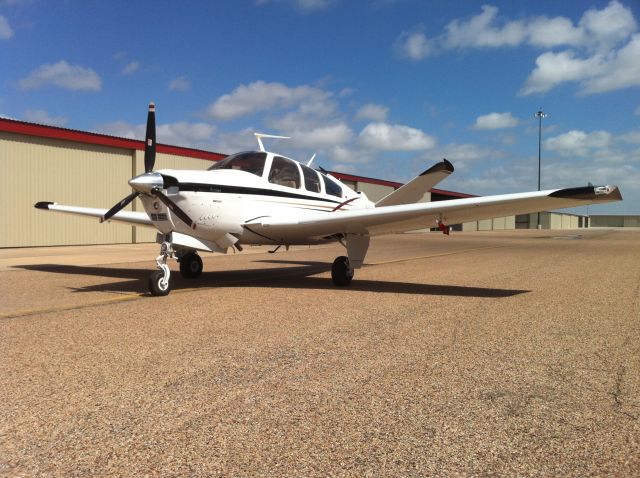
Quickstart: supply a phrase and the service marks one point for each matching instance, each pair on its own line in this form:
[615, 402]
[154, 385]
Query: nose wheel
[159, 280]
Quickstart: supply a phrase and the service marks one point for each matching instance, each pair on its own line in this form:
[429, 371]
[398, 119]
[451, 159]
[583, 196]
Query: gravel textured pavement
[479, 354]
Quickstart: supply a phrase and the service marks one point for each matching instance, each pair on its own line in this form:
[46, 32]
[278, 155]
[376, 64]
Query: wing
[409, 217]
[129, 217]
[413, 191]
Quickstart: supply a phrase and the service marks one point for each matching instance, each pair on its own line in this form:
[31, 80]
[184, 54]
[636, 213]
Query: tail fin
[413, 191]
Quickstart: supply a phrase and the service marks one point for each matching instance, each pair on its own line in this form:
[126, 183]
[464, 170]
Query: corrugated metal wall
[40, 169]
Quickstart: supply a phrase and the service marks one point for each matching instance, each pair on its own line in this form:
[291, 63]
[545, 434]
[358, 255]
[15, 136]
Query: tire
[156, 286]
[190, 265]
[341, 273]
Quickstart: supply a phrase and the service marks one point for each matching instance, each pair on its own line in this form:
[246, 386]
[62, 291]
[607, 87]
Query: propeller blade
[119, 206]
[174, 208]
[150, 140]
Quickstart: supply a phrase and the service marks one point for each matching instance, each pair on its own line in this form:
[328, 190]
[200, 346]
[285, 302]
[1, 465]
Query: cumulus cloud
[6, 31]
[595, 74]
[372, 112]
[578, 143]
[179, 84]
[602, 52]
[322, 137]
[260, 96]
[481, 32]
[196, 135]
[414, 46]
[393, 137]
[42, 117]
[63, 75]
[131, 67]
[495, 121]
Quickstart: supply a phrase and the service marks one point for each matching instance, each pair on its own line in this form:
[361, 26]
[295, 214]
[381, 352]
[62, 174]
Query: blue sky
[379, 88]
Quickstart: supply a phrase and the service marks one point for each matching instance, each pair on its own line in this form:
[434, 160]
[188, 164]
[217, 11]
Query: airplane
[263, 198]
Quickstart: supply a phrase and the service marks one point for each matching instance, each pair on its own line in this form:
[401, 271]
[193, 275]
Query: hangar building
[43, 163]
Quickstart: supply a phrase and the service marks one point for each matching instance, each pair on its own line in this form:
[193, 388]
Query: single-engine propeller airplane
[258, 197]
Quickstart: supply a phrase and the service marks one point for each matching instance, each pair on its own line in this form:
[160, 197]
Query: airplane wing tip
[43, 204]
[591, 193]
[444, 166]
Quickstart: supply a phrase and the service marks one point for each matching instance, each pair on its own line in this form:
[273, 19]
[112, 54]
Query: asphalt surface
[478, 354]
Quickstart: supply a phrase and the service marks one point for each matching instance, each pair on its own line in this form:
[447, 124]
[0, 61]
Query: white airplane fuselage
[226, 201]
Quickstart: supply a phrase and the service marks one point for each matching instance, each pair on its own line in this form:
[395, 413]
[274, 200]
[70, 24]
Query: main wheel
[190, 265]
[341, 272]
[157, 285]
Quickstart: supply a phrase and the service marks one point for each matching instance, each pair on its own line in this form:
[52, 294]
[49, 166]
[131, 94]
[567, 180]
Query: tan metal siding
[40, 169]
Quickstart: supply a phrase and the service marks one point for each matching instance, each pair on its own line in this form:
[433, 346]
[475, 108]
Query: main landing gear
[341, 271]
[190, 268]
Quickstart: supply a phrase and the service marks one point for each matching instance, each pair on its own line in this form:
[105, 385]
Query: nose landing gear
[159, 280]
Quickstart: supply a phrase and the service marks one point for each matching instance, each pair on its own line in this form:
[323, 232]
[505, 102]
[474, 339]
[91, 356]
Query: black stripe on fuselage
[225, 189]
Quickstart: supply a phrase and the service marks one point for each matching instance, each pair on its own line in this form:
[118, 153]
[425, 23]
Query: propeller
[149, 182]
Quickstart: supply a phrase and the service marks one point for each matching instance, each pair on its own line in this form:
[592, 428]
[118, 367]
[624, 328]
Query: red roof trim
[53, 132]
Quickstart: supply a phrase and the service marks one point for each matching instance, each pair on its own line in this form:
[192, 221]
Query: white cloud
[622, 70]
[550, 32]
[42, 117]
[632, 137]
[196, 135]
[595, 74]
[555, 68]
[578, 143]
[179, 84]
[495, 121]
[6, 31]
[259, 96]
[372, 112]
[480, 31]
[322, 137]
[131, 67]
[604, 53]
[608, 26]
[63, 75]
[394, 137]
[414, 46]
[466, 152]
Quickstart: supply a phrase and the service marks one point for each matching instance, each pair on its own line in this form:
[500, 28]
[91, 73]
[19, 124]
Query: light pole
[539, 114]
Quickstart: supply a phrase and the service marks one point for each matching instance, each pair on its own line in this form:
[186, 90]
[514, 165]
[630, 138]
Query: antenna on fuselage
[259, 137]
[311, 160]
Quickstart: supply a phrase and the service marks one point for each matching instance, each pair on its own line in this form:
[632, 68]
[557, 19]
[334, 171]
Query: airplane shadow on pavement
[297, 275]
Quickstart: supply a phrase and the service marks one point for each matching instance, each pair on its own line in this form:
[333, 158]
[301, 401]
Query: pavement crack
[618, 393]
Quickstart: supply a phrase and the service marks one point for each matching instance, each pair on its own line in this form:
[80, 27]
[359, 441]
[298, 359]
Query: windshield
[251, 162]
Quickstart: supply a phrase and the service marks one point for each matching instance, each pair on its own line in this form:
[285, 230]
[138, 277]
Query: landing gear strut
[159, 280]
[341, 271]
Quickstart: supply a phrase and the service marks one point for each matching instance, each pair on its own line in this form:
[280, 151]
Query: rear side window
[331, 188]
[311, 179]
[284, 172]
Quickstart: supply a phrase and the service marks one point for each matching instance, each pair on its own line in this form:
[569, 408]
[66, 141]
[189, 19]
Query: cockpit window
[331, 187]
[251, 162]
[311, 179]
[284, 172]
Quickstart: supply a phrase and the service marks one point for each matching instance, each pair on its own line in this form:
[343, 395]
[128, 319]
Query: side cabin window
[284, 172]
[311, 179]
[251, 162]
[331, 187]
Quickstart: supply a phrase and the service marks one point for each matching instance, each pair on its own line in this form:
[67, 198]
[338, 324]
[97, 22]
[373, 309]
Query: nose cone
[144, 183]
